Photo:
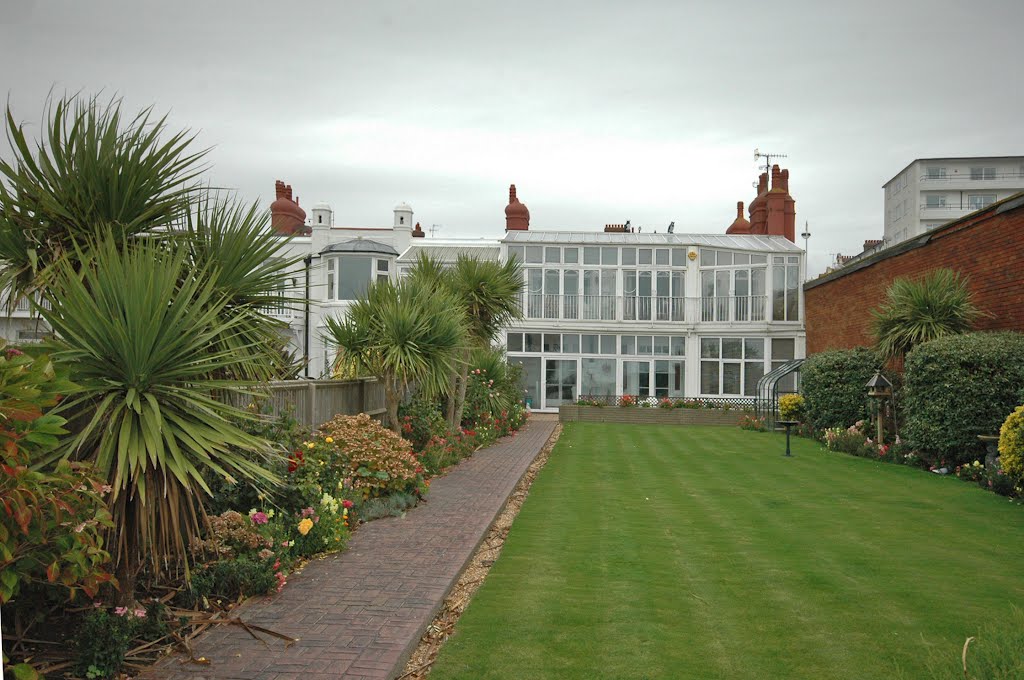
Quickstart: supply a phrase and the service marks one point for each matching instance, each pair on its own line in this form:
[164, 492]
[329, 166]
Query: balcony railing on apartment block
[748, 308]
[24, 305]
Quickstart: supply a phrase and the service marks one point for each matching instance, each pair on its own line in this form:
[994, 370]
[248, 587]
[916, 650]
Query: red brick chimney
[758, 207]
[517, 216]
[616, 229]
[286, 217]
[780, 207]
[740, 225]
[417, 232]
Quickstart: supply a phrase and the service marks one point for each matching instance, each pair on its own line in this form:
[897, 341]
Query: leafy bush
[376, 459]
[231, 535]
[1011, 442]
[232, 579]
[791, 407]
[753, 423]
[959, 387]
[422, 420]
[51, 522]
[394, 505]
[833, 386]
[627, 400]
[103, 638]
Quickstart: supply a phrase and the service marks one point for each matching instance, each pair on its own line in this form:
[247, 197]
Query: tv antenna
[434, 228]
[767, 156]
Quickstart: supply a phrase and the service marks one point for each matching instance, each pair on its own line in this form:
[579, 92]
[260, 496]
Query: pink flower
[140, 613]
[121, 611]
[259, 517]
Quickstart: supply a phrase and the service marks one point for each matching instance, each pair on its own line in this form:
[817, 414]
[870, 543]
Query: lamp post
[881, 389]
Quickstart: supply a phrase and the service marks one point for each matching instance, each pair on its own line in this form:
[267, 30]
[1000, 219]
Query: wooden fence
[314, 402]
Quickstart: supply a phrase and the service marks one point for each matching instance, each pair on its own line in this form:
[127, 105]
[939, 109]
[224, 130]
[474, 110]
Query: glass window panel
[628, 344]
[571, 282]
[752, 372]
[792, 294]
[589, 344]
[732, 348]
[707, 284]
[516, 252]
[571, 255]
[669, 378]
[709, 377]
[742, 258]
[629, 282]
[609, 255]
[793, 259]
[661, 256]
[778, 260]
[644, 345]
[707, 257]
[661, 344]
[597, 377]
[552, 342]
[629, 256]
[662, 289]
[758, 259]
[515, 342]
[551, 281]
[382, 265]
[529, 379]
[742, 282]
[552, 254]
[535, 281]
[753, 348]
[678, 257]
[757, 282]
[570, 343]
[533, 343]
[636, 378]
[644, 287]
[607, 344]
[353, 277]
[591, 282]
[677, 284]
[534, 254]
[709, 348]
[778, 293]
[560, 382]
[724, 258]
[331, 276]
[591, 255]
[783, 349]
[678, 346]
[730, 378]
[382, 277]
[645, 255]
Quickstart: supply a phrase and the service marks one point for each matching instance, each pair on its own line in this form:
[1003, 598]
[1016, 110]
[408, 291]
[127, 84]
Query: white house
[933, 191]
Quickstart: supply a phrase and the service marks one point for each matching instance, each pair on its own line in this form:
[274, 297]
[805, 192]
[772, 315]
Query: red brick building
[987, 246]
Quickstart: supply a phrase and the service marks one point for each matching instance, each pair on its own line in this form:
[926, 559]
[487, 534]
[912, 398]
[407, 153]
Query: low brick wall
[653, 416]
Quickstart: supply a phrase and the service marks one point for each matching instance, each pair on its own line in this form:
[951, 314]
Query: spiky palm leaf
[918, 310]
[94, 169]
[248, 266]
[402, 334]
[139, 324]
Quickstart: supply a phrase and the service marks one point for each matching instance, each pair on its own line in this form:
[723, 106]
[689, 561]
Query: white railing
[653, 308]
[733, 308]
[587, 307]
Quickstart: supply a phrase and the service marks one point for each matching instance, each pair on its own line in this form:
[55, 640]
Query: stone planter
[653, 416]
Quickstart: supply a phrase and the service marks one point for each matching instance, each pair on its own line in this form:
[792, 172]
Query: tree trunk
[452, 397]
[392, 399]
[461, 402]
[128, 564]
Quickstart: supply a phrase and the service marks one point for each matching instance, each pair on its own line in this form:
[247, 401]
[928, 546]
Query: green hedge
[959, 387]
[833, 383]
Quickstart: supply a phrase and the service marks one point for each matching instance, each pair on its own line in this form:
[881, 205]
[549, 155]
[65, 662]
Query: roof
[736, 242]
[360, 245]
[447, 252]
[952, 158]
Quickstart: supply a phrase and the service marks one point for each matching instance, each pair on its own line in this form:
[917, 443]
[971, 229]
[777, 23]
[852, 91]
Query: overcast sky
[599, 112]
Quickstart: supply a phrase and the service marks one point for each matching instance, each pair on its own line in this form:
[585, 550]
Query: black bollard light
[788, 424]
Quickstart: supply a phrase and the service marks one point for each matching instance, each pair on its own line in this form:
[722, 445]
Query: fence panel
[314, 402]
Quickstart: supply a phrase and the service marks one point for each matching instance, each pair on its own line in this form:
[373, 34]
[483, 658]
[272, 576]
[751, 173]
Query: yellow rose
[329, 440]
[310, 445]
[305, 525]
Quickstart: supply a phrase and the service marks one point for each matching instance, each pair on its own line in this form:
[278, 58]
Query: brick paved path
[359, 615]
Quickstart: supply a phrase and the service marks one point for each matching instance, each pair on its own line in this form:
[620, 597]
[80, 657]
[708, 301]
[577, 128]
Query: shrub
[666, 403]
[230, 580]
[753, 423]
[231, 535]
[51, 522]
[394, 505]
[103, 638]
[376, 459]
[833, 386]
[1011, 442]
[627, 400]
[959, 387]
[791, 407]
[421, 421]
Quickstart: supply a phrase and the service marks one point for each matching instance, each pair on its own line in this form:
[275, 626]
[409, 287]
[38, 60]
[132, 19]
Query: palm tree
[918, 310]
[140, 327]
[490, 294]
[403, 334]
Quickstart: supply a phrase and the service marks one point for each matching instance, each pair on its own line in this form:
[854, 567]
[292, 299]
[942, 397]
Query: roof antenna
[672, 227]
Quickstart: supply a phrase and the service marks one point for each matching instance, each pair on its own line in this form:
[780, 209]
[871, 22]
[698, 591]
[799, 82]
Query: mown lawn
[686, 552]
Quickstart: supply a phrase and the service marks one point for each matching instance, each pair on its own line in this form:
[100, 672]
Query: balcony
[967, 182]
[724, 309]
[24, 307]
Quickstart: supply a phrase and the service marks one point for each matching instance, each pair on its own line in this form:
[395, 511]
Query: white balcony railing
[750, 308]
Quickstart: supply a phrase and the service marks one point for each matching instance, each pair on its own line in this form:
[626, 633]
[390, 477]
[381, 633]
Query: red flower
[346, 503]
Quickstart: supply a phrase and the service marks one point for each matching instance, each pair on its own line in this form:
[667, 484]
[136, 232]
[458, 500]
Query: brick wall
[987, 246]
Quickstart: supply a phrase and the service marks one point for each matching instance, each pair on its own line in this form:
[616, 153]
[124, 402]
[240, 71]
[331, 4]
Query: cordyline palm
[490, 295]
[919, 310]
[92, 169]
[141, 327]
[404, 335]
[243, 256]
